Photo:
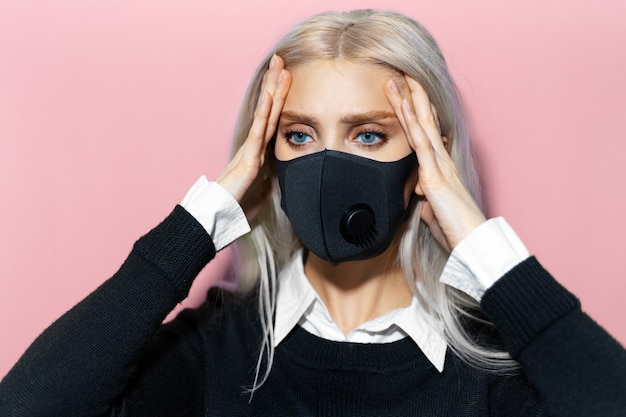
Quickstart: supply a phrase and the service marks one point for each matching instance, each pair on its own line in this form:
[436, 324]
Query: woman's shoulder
[224, 318]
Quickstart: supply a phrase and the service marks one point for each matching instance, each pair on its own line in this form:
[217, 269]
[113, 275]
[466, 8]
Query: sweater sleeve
[576, 366]
[86, 360]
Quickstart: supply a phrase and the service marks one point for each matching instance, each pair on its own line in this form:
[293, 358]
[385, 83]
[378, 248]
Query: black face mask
[341, 206]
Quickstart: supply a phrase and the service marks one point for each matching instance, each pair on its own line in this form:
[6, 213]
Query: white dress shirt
[474, 265]
[298, 303]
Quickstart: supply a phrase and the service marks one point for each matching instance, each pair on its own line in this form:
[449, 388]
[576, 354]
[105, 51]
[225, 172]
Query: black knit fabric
[110, 355]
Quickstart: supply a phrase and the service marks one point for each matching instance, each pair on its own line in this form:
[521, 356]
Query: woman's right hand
[241, 176]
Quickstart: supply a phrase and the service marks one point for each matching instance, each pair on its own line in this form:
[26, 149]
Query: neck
[358, 291]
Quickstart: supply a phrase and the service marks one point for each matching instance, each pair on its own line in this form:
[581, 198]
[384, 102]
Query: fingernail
[281, 76]
[394, 86]
[273, 61]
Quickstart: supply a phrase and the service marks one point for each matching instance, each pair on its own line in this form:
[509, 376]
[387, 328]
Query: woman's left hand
[450, 211]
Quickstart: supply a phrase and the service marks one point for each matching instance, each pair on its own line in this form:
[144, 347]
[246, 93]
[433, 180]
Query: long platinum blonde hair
[396, 42]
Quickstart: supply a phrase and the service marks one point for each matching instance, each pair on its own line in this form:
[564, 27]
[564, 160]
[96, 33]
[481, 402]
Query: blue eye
[369, 138]
[298, 138]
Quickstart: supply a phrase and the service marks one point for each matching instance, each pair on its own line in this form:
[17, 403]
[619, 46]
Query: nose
[334, 141]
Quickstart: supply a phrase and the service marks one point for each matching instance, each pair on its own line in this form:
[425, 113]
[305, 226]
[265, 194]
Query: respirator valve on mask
[358, 225]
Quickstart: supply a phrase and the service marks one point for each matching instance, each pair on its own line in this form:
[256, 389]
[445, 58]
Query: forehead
[338, 86]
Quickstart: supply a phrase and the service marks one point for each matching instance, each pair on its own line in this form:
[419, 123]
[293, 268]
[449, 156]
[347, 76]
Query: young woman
[378, 286]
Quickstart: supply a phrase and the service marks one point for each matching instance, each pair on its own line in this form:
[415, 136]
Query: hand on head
[450, 210]
[241, 177]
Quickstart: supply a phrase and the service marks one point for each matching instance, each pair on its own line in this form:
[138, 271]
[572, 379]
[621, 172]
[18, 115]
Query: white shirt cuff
[485, 255]
[217, 211]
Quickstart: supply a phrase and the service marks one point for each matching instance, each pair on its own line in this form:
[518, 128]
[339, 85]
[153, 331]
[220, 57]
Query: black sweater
[110, 355]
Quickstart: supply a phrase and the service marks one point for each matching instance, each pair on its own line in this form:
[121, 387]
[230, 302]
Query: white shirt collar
[298, 303]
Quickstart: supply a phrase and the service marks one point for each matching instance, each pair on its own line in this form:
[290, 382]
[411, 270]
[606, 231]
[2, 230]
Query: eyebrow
[298, 117]
[355, 118]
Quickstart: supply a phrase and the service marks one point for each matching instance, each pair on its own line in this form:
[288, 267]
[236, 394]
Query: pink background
[109, 110]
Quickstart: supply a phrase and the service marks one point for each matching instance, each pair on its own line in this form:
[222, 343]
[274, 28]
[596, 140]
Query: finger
[256, 134]
[407, 117]
[268, 83]
[276, 82]
[416, 134]
[278, 101]
[420, 144]
[426, 115]
[270, 78]
[395, 99]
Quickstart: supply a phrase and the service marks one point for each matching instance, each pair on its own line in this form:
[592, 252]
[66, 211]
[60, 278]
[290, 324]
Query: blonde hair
[394, 41]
